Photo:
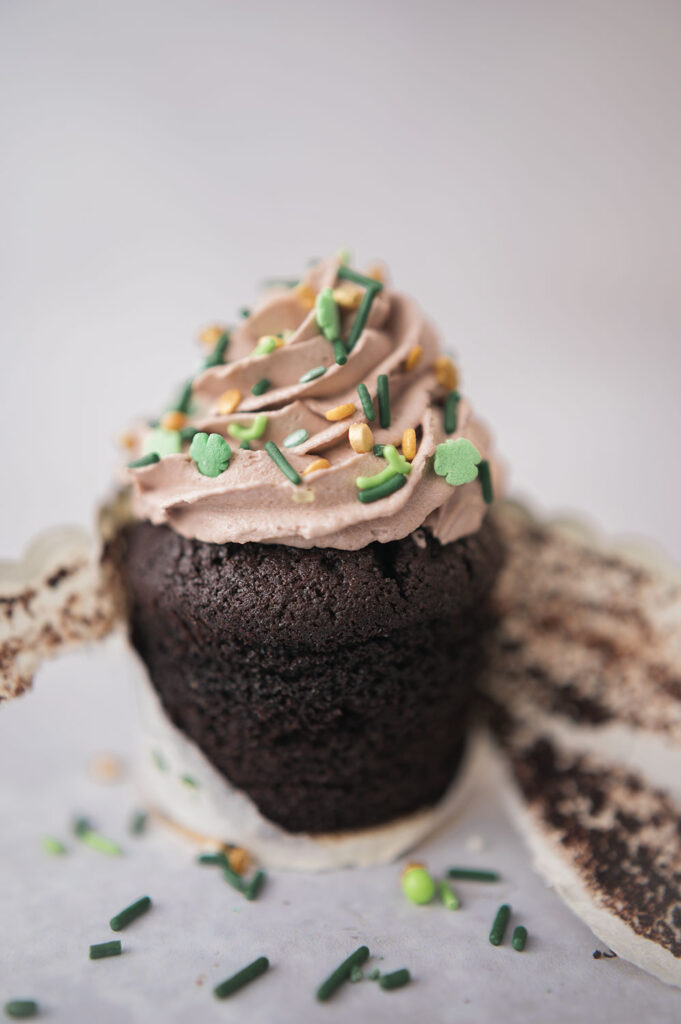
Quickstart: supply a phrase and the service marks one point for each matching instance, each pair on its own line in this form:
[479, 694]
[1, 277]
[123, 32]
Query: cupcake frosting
[281, 377]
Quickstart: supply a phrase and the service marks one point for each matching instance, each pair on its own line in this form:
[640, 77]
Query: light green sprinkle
[356, 974]
[101, 844]
[448, 896]
[53, 846]
[327, 314]
[365, 482]
[316, 371]
[296, 437]
[457, 461]
[211, 453]
[396, 464]
[266, 345]
[344, 255]
[418, 885]
[190, 781]
[248, 433]
[163, 442]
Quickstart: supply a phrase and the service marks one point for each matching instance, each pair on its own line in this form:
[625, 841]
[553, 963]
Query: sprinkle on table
[243, 977]
[244, 312]
[173, 420]
[383, 490]
[327, 314]
[473, 875]
[451, 417]
[228, 401]
[254, 430]
[315, 466]
[378, 450]
[396, 979]
[413, 358]
[371, 290]
[457, 461]
[85, 832]
[342, 973]
[21, 1009]
[282, 463]
[485, 476]
[519, 940]
[130, 914]
[104, 949]
[367, 404]
[188, 434]
[253, 888]
[361, 438]
[211, 453]
[217, 859]
[448, 896]
[383, 400]
[418, 884]
[340, 412]
[446, 374]
[409, 444]
[261, 386]
[296, 437]
[232, 877]
[496, 935]
[145, 460]
[53, 846]
[138, 823]
[316, 371]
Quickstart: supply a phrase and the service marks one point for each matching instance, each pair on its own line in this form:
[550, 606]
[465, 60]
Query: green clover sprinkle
[327, 314]
[397, 465]
[211, 453]
[243, 433]
[457, 461]
[163, 442]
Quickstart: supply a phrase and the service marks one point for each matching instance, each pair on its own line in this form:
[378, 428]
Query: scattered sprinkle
[340, 353]
[394, 980]
[296, 437]
[159, 761]
[348, 274]
[210, 336]
[452, 411]
[163, 442]
[448, 896]
[251, 432]
[348, 295]
[344, 255]
[519, 940]
[217, 859]
[101, 844]
[340, 412]
[106, 767]
[252, 890]
[138, 823]
[305, 294]
[173, 420]
[361, 438]
[239, 859]
[446, 374]
[413, 358]
[234, 879]
[21, 1009]
[145, 460]
[316, 465]
[473, 875]
[282, 462]
[486, 482]
[188, 434]
[127, 440]
[244, 312]
[316, 371]
[383, 490]
[372, 288]
[211, 453]
[267, 344]
[103, 949]
[342, 973]
[261, 386]
[228, 401]
[374, 974]
[457, 461]
[417, 884]
[241, 978]
[356, 974]
[378, 450]
[190, 781]
[217, 356]
[302, 495]
[327, 314]
[409, 444]
[383, 400]
[496, 935]
[367, 404]
[130, 914]
[53, 846]
[184, 398]
[397, 464]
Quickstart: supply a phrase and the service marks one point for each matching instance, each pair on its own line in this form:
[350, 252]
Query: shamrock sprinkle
[457, 461]
[163, 442]
[327, 315]
[211, 453]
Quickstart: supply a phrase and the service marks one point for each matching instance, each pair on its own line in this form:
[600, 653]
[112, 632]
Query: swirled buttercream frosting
[338, 419]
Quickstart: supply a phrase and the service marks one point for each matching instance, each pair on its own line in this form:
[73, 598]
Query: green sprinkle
[383, 401]
[244, 312]
[138, 823]
[448, 896]
[344, 255]
[261, 386]
[81, 826]
[327, 314]
[101, 844]
[217, 859]
[248, 433]
[372, 289]
[252, 889]
[163, 442]
[146, 460]
[184, 398]
[241, 978]
[452, 411]
[188, 433]
[367, 404]
[211, 453]
[53, 846]
[356, 974]
[246, 446]
[340, 352]
[473, 875]
[235, 880]
[383, 490]
[457, 461]
[353, 275]
[394, 980]
[190, 781]
[266, 345]
[486, 482]
[316, 371]
[365, 483]
[159, 761]
[21, 1009]
[280, 282]
[396, 464]
[496, 935]
[342, 973]
[296, 437]
[519, 939]
[281, 462]
[374, 974]
[418, 885]
[378, 450]
[217, 356]
[131, 913]
[102, 949]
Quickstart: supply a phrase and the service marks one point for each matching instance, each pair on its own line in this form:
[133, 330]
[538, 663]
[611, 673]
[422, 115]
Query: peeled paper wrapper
[581, 703]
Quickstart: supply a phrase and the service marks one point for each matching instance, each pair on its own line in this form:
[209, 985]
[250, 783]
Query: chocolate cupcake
[308, 564]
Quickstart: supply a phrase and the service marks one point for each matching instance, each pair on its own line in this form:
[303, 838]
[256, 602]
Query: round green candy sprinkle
[367, 404]
[340, 352]
[282, 463]
[53, 846]
[21, 1009]
[496, 935]
[104, 949]
[383, 400]
[342, 973]
[241, 978]
[163, 442]
[383, 490]
[296, 437]
[130, 914]
[146, 460]
[418, 885]
[211, 453]
[316, 371]
[248, 433]
[261, 386]
[452, 411]
[327, 314]
[448, 896]
[519, 939]
[394, 980]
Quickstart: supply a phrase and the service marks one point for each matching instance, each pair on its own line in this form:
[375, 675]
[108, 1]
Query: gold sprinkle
[239, 859]
[446, 373]
[173, 420]
[305, 294]
[127, 441]
[377, 272]
[106, 767]
[302, 495]
[209, 335]
[409, 444]
[361, 438]
[340, 412]
[348, 295]
[228, 401]
[314, 466]
[413, 358]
